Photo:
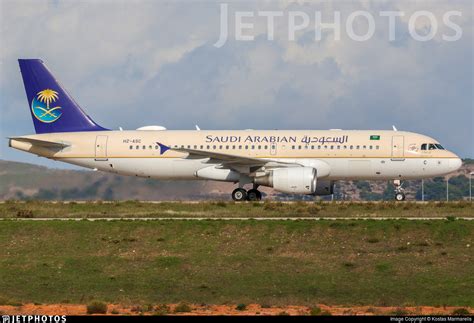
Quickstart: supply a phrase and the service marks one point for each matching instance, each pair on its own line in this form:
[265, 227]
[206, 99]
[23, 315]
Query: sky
[136, 63]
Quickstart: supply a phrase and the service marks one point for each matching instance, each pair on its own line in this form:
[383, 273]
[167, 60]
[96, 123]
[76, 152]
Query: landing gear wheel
[239, 195]
[399, 191]
[254, 195]
[400, 197]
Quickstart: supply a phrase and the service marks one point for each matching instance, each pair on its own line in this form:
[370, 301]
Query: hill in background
[28, 181]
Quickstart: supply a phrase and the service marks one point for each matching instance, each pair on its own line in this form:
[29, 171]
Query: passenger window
[377, 147]
[138, 147]
[131, 147]
[259, 147]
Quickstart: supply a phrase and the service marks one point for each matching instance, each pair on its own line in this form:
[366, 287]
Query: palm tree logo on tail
[41, 106]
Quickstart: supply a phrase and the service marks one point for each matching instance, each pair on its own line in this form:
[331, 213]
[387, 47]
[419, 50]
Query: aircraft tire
[239, 195]
[400, 197]
[254, 195]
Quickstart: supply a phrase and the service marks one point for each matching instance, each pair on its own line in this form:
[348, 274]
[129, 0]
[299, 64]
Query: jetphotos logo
[33, 319]
[422, 25]
[43, 106]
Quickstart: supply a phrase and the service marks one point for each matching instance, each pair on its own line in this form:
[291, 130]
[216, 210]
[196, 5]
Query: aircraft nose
[455, 163]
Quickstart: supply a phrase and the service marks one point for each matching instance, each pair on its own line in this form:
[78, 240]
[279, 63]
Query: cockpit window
[431, 147]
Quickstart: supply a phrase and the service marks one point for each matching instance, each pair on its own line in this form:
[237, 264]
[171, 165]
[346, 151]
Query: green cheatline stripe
[375, 137]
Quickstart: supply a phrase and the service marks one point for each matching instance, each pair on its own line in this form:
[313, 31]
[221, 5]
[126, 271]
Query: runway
[241, 219]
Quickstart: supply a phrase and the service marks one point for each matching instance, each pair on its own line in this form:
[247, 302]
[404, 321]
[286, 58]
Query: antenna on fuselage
[197, 127]
[394, 128]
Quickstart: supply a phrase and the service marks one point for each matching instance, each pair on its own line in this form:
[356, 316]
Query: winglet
[163, 148]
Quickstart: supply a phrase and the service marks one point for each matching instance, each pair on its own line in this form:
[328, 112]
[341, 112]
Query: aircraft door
[397, 147]
[101, 148]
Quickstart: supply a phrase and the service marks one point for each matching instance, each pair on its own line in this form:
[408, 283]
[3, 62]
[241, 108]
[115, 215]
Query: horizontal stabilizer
[42, 143]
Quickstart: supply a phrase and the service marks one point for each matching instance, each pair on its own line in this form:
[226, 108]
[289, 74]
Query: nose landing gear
[399, 191]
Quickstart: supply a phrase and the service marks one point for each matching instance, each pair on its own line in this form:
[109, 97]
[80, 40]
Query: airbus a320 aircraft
[299, 161]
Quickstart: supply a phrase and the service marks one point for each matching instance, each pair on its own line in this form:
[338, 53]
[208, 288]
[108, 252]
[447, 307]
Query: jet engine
[299, 180]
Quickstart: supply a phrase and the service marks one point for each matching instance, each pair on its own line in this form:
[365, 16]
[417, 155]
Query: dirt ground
[251, 309]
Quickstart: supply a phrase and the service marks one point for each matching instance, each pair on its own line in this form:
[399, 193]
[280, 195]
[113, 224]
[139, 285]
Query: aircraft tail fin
[51, 107]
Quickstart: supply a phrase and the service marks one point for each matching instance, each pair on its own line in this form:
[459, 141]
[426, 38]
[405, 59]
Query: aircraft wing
[42, 143]
[229, 160]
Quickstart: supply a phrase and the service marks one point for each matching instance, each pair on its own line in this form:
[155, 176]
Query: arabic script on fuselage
[278, 139]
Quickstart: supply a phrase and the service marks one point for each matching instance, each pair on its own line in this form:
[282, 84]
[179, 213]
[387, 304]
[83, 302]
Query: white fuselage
[337, 154]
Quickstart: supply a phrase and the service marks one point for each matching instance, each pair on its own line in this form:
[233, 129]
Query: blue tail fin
[51, 107]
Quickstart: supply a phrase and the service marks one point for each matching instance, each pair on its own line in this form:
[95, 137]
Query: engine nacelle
[299, 180]
[324, 187]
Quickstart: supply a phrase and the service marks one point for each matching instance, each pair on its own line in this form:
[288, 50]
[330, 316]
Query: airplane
[290, 161]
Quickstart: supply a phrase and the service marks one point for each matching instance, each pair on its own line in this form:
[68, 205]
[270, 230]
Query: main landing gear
[240, 194]
[399, 191]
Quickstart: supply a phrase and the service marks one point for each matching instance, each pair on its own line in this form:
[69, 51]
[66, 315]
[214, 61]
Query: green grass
[218, 262]
[36, 209]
